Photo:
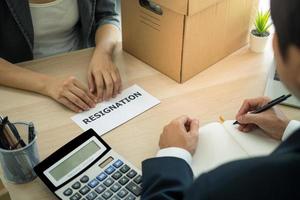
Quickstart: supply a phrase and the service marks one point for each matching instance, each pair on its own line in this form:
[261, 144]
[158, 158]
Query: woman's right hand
[71, 93]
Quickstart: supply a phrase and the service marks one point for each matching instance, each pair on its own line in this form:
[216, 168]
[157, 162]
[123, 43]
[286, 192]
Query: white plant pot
[258, 44]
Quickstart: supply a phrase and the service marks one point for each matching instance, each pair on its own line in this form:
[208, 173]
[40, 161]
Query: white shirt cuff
[290, 129]
[176, 152]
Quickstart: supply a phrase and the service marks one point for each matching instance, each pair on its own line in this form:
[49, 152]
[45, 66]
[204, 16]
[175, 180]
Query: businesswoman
[39, 28]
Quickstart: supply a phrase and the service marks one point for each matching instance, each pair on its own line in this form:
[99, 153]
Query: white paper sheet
[222, 143]
[255, 143]
[215, 148]
[111, 114]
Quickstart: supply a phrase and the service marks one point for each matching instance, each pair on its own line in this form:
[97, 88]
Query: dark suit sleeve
[166, 178]
[271, 177]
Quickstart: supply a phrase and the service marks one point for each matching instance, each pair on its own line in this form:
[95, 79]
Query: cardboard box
[181, 38]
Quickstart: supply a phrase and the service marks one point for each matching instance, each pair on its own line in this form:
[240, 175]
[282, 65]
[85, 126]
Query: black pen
[31, 134]
[269, 105]
[3, 142]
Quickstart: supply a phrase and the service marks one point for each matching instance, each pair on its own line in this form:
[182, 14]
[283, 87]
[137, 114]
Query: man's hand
[71, 93]
[272, 121]
[103, 77]
[181, 132]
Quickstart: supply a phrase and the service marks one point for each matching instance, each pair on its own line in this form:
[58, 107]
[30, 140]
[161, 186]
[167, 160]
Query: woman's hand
[71, 93]
[103, 77]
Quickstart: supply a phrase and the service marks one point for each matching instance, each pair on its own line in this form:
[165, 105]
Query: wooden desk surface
[218, 90]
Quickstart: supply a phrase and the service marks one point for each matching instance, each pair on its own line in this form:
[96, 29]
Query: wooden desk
[219, 90]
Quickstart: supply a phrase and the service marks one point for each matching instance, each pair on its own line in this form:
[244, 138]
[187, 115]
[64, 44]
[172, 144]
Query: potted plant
[259, 35]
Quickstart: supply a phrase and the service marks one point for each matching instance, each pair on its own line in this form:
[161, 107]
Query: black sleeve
[166, 178]
[272, 177]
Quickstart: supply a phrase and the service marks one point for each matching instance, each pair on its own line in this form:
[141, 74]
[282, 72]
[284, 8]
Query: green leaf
[261, 22]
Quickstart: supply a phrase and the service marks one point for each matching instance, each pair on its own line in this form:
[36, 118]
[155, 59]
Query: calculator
[87, 168]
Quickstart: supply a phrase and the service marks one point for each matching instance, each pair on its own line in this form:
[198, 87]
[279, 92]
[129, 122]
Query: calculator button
[101, 176]
[76, 196]
[115, 187]
[125, 168]
[117, 175]
[84, 190]
[68, 192]
[108, 182]
[91, 195]
[131, 174]
[115, 198]
[84, 179]
[130, 197]
[122, 193]
[107, 194]
[110, 170]
[76, 185]
[123, 180]
[100, 189]
[135, 189]
[118, 163]
[138, 179]
[93, 183]
[99, 198]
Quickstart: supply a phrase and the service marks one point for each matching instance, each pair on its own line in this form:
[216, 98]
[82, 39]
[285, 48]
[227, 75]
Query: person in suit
[276, 176]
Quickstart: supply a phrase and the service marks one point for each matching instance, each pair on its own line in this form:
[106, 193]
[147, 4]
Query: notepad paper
[108, 115]
[222, 143]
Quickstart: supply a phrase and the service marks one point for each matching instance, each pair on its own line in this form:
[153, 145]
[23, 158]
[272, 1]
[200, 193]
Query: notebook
[220, 143]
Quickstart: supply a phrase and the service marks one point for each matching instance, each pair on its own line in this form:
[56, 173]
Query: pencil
[221, 119]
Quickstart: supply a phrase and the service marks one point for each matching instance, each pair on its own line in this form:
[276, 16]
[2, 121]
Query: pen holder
[17, 164]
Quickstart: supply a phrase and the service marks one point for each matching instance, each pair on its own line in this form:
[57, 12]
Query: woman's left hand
[104, 79]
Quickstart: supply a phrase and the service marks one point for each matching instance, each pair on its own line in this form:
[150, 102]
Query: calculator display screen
[74, 160]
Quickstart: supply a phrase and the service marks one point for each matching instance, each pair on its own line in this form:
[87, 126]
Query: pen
[269, 105]
[30, 132]
[16, 134]
[3, 141]
[12, 134]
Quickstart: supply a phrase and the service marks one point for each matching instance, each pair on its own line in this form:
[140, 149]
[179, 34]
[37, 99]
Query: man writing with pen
[277, 176]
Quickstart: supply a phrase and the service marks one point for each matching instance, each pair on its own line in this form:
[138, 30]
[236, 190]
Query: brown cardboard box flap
[186, 7]
[196, 6]
[179, 6]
